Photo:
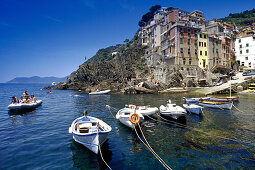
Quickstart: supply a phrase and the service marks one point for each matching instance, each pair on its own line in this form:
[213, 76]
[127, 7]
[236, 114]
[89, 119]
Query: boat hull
[146, 111]
[91, 139]
[217, 105]
[124, 118]
[192, 108]
[25, 105]
[100, 92]
[174, 113]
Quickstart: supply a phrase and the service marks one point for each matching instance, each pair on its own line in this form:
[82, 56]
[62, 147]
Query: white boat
[144, 110]
[193, 108]
[53, 83]
[195, 100]
[16, 106]
[172, 110]
[90, 132]
[126, 115]
[99, 92]
[218, 105]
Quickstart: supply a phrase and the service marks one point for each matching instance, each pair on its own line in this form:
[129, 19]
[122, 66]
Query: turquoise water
[39, 139]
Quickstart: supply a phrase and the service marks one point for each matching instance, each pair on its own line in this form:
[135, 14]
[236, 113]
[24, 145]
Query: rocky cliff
[113, 67]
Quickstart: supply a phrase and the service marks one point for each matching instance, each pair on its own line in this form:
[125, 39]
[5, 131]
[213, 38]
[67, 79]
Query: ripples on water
[39, 139]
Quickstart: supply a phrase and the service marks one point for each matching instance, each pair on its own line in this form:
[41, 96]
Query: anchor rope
[100, 149]
[151, 150]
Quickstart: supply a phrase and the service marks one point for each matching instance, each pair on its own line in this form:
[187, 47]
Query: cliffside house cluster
[187, 39]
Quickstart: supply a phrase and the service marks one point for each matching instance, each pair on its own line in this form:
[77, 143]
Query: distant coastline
[36, 80]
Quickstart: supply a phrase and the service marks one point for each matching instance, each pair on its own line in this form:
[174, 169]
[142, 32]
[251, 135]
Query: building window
[200, 35]
[213, 50]
[204, 44]
[181, 50]
[217, 51]
[205, 53]
[240, 46]
[181, 30]
[204, 63]
[195, 51]
[181, 40]
[247, 51]
[241, 52]
[247, 45]
[246, 58]
[204, 36]
[239, 40]
[184, 61]
[195, 42]
[201, 53]
[190, 61]
[195, 32]
[242, 63]
[189, 41]
[188, 31]
[199, 44]
[188, 50]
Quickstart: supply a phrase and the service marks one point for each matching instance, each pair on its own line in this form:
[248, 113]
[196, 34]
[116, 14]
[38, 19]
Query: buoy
[134, 118]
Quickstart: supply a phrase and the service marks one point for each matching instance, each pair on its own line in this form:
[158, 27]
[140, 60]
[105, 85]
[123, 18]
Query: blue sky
[51, 37]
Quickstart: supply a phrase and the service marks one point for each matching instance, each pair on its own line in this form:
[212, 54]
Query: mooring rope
[151, 150]
[100, 149]
[237, 108]
[109, 107]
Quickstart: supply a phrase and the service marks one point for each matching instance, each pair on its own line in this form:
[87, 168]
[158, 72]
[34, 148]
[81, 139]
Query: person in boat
[33, 99]
[14, 100]
[21, 100]
[25, 94]
[97, 90]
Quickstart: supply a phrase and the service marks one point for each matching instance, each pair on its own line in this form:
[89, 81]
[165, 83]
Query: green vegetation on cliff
[244, 18]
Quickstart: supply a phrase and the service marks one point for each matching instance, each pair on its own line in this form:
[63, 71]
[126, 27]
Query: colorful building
[203, 50]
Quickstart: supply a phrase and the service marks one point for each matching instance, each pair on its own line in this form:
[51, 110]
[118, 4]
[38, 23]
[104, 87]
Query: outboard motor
[169, 101]
[85, 112]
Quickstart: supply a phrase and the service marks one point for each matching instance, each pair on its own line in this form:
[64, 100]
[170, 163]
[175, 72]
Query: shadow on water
[83, 158]
[22, 112]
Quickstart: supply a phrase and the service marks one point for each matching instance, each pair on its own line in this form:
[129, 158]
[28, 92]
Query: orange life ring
[134, 118]
[132, 107]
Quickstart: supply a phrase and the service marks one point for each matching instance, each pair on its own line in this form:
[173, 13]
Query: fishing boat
[215, 104]
[225, 98]
[172, 110]
[90, 132]
[144, 110]
[195, 100]
[129, 117]
[99, 92]
[193, 108]
[32, 105]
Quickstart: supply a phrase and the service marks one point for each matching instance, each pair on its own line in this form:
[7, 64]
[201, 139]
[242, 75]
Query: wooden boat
[144, 110]
[193, 108]
[172, 110]
[129, 117]
[90, 132]
[31, 105]
[100, 92]
[217, 105]
[225, 98]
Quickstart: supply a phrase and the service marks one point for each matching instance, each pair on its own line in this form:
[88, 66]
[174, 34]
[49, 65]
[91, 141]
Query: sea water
[39, 139]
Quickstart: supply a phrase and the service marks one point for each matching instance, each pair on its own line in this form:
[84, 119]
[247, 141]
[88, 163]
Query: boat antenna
[85, 112]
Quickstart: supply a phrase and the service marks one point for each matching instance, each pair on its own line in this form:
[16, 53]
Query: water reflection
[83, 158]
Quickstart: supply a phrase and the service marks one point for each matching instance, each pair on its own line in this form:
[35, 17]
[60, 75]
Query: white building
[245, 51]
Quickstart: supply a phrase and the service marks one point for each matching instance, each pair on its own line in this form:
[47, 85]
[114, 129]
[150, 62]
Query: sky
[52, 37]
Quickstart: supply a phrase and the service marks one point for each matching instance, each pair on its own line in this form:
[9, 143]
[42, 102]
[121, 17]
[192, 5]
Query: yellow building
[203, 50]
